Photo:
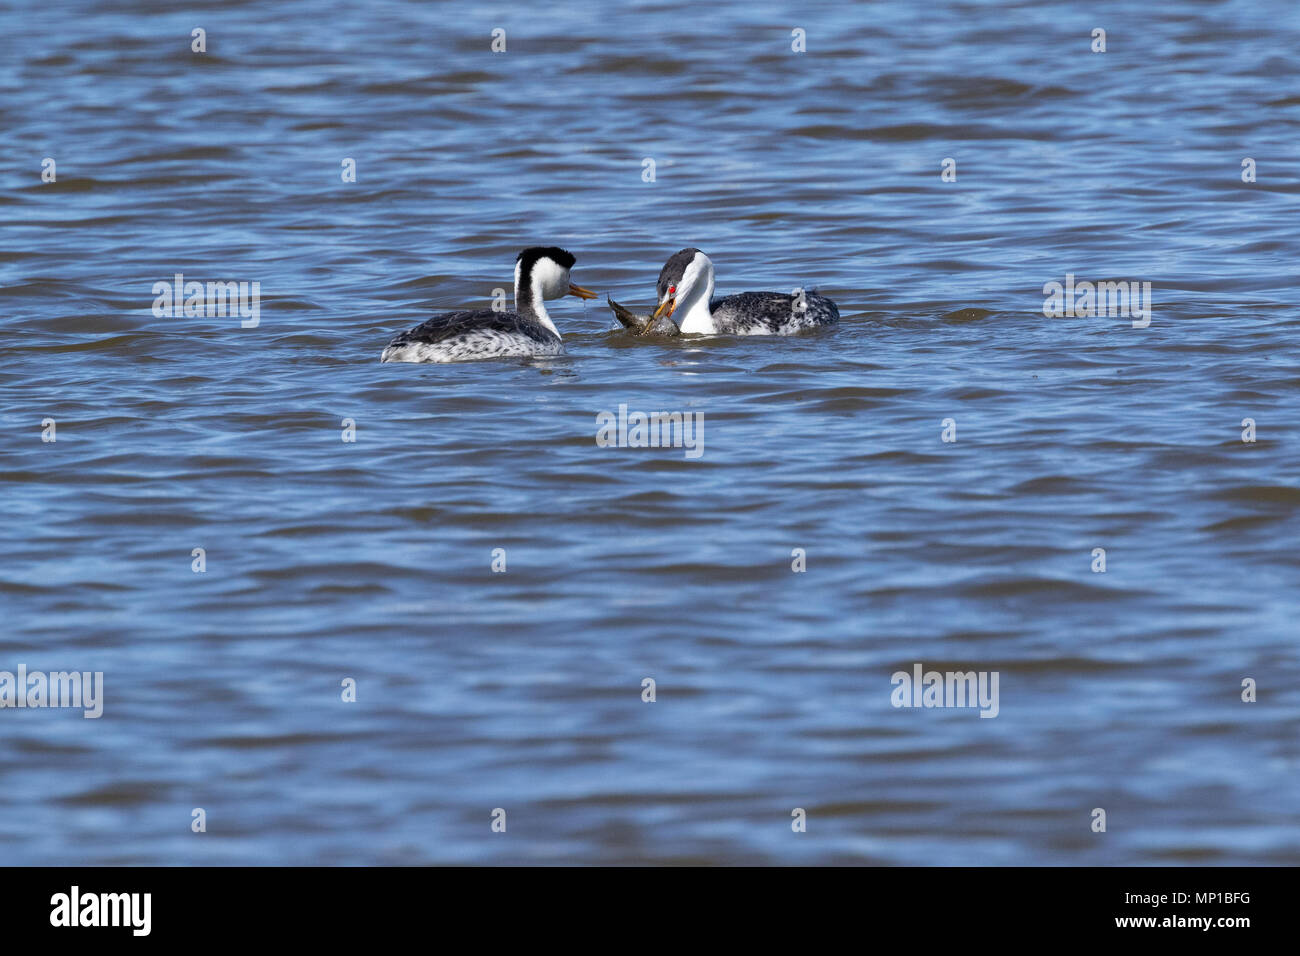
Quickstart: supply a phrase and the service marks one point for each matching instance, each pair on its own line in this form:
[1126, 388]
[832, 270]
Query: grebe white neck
[546, 280]
[695, 291]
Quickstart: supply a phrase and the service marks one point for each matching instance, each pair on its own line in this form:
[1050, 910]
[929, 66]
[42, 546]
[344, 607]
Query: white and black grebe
[686, 297]
[541, 272]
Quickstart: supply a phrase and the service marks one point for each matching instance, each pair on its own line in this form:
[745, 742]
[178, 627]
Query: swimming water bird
[541, 272]
[686, 297]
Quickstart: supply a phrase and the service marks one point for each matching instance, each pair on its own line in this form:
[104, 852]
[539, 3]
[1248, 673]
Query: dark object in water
[643, 324]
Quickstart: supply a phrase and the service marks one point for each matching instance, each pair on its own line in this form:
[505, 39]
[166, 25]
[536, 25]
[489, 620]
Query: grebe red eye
[672, 289]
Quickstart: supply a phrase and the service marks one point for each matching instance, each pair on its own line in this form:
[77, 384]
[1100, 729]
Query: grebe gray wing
[452, 325]
[773, 313]
[474, 334]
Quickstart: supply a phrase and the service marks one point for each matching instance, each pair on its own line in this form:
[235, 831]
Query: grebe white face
[553, 279]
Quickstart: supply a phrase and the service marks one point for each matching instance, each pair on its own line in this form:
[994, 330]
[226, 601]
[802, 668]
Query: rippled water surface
[372, 560]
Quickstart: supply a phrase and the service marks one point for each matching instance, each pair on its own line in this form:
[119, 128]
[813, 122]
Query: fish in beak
[636, 324]
[580, 292]
[669, 304]
[643, 324]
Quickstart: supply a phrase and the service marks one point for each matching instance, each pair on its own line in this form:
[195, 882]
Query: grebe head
[545, 271]
[685, 285]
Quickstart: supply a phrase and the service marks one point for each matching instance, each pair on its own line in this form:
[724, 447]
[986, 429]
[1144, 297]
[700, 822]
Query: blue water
[522, 690]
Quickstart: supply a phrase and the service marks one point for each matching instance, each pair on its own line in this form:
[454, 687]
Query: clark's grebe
[541, 272]
[686, 296]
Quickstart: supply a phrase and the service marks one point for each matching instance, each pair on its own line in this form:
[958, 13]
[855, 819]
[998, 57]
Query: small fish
[643, 324]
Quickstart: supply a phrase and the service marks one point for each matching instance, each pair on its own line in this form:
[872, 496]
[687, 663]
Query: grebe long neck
[692, 314]
[529, 301]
